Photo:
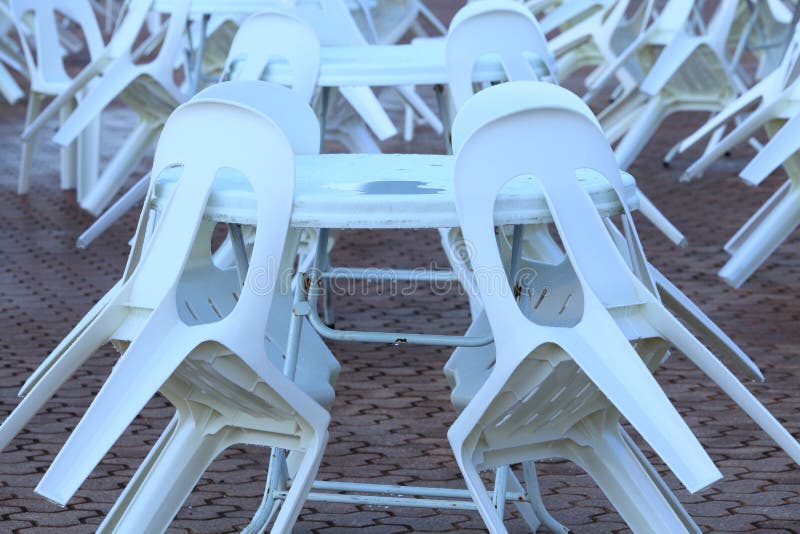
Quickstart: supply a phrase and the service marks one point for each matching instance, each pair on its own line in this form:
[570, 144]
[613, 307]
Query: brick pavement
[392, 411]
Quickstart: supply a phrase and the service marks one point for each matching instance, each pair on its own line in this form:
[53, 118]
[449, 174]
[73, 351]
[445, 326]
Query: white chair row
[562, 370]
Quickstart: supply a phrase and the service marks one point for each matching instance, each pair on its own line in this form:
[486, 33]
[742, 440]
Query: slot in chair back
[331, 20]
[503, 29]
[288, 38]
[286, 107]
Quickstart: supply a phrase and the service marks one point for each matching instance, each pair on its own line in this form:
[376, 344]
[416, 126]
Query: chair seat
[317, 369]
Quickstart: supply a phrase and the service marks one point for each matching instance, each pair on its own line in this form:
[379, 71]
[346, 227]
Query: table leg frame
[305, 306]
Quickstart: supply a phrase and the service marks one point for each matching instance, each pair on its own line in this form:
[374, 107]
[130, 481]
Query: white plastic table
[380, 191]
[386, 191]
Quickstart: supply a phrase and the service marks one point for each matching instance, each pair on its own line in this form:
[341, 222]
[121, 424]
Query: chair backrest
[46, 62]
[499, 28]
[270, 36]
[136, 15]
[224, 134]
[284, 106]
[534, 128]
[331, 21]
[673, 56]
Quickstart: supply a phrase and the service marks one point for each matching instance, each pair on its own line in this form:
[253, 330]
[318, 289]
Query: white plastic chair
[506, 30]
[205, 334]
[148, 88]
[75, 348]
[777, 97]
[645, 49]
[335, 26]
[676, 48]
[576, 334]
[764, 232]
[690, 73]
[593, 33]
[49, 78]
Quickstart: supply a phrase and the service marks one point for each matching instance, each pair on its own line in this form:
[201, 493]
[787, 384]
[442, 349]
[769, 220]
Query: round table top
[386, 191]
[390, 65]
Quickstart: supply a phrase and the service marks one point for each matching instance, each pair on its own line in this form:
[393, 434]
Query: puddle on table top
[386, 187]
[397, 187]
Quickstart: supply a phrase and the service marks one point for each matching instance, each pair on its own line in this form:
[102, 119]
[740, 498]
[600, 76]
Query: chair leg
[123, 395]
[743, 233]
[69, 155]
[660, 221]
[481, 498]
[132, 197]
[123, 163]
[673, 501]
[168, 474]
[682, 307]
[640, 132]
[535, 497]
[408, 123]
[132, 488]
[673, 331]
[88, 157]
[74, 335]
[34, 107]
[778, 222]
[80, 344]
[622, 478]
[301, 483]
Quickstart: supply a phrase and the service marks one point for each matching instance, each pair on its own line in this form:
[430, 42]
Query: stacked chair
[204, 335]
[467, 369]
[592, 34]
[116, 72]
[683, 71]
[777, 99]
[513, 409]
[580, 319]
[42, 50]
